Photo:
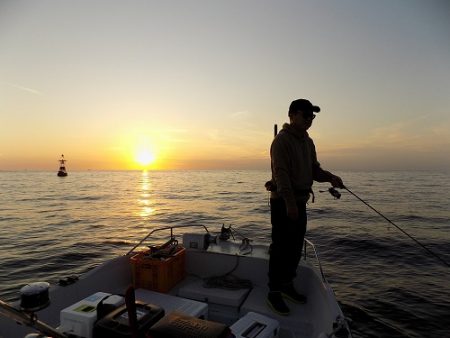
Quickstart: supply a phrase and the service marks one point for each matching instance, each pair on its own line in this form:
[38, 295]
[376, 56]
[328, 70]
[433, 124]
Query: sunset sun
[145, 157]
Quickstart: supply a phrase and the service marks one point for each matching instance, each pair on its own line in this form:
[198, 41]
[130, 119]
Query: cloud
[419, 143]
[240, 115]
[23, 88]
[442, 131]
[420, 133]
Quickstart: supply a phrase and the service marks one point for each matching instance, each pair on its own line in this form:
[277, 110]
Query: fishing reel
[336, 194]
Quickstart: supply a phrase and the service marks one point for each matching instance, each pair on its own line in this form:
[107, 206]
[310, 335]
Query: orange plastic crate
[158, 274]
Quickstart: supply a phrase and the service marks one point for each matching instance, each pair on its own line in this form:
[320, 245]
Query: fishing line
[387, 219]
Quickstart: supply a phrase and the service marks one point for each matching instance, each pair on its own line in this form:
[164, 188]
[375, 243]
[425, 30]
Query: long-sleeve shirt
[294, 165]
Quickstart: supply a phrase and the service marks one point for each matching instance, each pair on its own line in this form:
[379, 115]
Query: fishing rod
[337, 195]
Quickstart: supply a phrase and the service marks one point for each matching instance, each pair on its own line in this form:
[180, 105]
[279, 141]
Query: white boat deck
[192, 298]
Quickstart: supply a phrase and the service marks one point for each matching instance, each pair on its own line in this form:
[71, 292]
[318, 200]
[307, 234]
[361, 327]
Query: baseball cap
[303, 105]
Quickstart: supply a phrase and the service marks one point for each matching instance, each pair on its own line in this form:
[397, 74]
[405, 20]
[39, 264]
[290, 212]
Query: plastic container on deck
[158, 274]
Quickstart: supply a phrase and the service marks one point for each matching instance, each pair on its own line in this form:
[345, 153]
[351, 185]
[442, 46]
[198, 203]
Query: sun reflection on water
[145, 196]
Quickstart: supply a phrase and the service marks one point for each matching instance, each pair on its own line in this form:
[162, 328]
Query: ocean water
[52, 227]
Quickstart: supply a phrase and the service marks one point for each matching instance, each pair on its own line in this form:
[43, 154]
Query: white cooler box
[79, 318]
[255, 325]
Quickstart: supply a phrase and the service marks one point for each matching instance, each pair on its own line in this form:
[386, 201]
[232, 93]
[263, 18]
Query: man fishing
[294, 168]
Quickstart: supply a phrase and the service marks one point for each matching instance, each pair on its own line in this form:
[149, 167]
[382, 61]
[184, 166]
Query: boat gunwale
[104, 269]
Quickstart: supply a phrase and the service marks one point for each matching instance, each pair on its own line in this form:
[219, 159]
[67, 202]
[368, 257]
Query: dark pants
[287, 244]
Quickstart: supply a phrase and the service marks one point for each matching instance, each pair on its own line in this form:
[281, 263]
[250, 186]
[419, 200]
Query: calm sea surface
[52, 227]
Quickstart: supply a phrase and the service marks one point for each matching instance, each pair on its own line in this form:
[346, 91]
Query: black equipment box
[116, 324]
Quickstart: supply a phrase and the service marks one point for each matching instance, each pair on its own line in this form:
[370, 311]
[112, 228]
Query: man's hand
[336, 182]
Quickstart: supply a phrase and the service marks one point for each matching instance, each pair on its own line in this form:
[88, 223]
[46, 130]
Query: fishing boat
[62, 167]
[179, 281]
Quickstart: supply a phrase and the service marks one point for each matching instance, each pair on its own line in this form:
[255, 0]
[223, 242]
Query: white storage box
[223, 305]
[172, 303]
[195, 241]
[196, 290]
[79, 318]
[255, 325]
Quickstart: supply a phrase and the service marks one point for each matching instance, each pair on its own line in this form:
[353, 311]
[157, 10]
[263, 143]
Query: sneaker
[277, 304]
[291, 294]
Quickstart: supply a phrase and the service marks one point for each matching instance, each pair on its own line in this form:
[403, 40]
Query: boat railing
[29, 319]
[171, 228]
[308, 243]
